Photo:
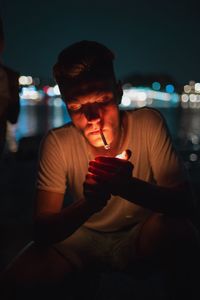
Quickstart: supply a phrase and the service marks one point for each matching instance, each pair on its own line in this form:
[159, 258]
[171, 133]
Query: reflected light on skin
[126, 154]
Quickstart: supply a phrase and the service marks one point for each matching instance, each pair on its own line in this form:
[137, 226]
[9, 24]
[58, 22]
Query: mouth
[98, 135]
[94, 132]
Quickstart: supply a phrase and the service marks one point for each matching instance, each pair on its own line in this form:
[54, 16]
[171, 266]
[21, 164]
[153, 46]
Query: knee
[161, 233]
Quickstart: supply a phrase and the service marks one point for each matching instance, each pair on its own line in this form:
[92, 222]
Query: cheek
[79, 122]
[112, 118]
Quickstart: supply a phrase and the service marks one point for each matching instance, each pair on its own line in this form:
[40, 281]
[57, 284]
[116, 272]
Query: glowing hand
[112, 172]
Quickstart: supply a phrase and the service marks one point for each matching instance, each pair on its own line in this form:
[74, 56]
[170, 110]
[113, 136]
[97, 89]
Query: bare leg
[34, 266]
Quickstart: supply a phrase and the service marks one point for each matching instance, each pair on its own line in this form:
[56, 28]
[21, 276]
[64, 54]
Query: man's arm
[177, 200]
[52, 223]
[117, 176]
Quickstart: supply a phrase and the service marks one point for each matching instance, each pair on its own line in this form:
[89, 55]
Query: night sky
[146, 36]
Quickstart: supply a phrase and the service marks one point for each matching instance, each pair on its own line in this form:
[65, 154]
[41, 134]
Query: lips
[94, 132]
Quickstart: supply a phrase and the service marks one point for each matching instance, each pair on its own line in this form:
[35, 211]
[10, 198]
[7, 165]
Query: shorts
[91, 249]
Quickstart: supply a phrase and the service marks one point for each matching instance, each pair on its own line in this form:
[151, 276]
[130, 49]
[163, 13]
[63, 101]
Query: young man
[123, 210]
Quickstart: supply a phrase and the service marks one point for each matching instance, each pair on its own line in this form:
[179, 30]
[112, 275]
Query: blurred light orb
[193, 157]
[193, 97]
[169, 88]
[184, 98]
[126, 101]
[29, 80]
[187, 88]
[175, 98]
[50, 92]
[58, 102]
[195, 139]
[142, 96]
[197, 87]
[156, 86]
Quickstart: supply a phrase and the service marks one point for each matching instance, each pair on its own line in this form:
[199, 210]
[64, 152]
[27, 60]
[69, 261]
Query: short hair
[80, 64]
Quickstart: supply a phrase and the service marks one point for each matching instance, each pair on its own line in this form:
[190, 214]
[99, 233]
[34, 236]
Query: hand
[111, 171]
[96, 193]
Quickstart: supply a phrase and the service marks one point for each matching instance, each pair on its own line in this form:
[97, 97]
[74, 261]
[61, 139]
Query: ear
[119, 92]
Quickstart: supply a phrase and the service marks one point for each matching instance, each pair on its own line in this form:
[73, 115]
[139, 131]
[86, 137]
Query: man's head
[85, 75]
[83, 66]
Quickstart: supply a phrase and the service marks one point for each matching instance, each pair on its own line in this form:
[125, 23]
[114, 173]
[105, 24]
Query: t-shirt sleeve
[51, 174]
[167, 166]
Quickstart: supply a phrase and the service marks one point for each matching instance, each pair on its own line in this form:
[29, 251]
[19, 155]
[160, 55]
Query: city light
[138, 97]
[156, 94]
[190, 98]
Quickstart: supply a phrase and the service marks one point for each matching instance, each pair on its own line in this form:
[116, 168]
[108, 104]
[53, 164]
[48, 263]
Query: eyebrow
[104, 97]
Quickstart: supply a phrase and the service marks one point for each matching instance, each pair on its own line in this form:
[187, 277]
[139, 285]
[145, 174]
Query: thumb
[126, 154]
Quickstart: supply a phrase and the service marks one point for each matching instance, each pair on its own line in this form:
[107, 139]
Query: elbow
[45, 232]
[41, 235]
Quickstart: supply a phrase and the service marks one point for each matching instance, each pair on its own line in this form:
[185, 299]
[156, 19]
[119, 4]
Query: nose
[92, 113]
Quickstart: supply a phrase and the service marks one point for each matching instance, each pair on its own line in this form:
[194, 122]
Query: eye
[105, 102]
[74, 107]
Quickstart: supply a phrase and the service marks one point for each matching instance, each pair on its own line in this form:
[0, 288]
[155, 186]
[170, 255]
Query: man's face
[94, 111]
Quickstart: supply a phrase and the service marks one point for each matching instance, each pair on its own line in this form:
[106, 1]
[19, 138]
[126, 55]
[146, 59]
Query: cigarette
[106, 145]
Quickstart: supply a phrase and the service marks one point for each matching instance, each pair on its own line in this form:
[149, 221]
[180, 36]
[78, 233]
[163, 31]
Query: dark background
[146, 36]
[151, 36]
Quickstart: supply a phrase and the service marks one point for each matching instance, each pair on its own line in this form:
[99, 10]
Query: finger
[107, 171]
[91, 179]
[110, 161]
[100, 175]
[102, 166]
[125, 155]
[112, 164]
[97, 191]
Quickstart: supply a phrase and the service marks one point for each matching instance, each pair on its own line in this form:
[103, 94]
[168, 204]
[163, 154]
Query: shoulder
[146, 116]
[67, 131]
[61, 136]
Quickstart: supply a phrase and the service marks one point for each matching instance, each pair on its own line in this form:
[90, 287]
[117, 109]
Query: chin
[97, 145]
[94, 143]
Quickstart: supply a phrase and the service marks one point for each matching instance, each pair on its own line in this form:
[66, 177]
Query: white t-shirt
[65, 154]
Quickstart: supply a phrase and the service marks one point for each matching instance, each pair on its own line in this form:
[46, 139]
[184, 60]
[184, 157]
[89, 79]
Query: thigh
[166, 235]
[35, 264]
[123, 248]
[86, 249]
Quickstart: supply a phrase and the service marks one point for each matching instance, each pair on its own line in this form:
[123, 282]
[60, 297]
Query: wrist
[122, 187]
[90, 205]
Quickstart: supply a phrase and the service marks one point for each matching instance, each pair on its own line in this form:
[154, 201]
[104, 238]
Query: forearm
[176, 201]
[53, 228]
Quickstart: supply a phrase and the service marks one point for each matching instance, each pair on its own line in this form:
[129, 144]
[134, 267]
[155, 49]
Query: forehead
[97, 89]
[91, 97]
